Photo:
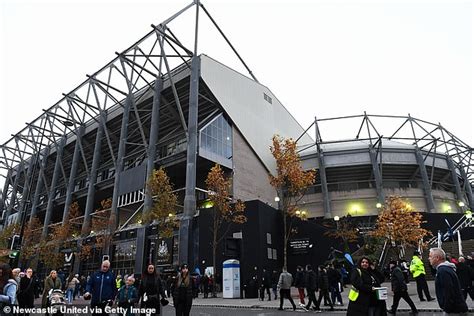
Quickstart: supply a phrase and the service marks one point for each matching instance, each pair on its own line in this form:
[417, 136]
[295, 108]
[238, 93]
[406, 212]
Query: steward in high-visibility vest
[118, 282]
[417, 268]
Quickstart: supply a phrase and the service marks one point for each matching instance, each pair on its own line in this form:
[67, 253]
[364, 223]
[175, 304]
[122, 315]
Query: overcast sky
[320, 58]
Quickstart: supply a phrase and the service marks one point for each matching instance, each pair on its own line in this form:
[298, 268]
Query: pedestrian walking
[183, 292]
[127, 296]
[323, 283]
[266, 284]
[417, 268]
[26, 294]
[300, 284]
[447, 286]
[52, 282]
[275, 278]
[399, 289]
[205, 285]
[72, 282]
[311, 287]
[405, 270]
[284, 284]
[365, 278]
[335, 285]
[100, 289]
[465, 276]
[151, 288]
[8, 295]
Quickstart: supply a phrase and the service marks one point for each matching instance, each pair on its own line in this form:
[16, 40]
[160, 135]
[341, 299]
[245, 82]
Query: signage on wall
[164, 250]
[299, 246]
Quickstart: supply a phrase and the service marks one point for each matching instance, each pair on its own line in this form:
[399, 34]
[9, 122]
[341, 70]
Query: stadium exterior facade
[160, 104]
[419, 160]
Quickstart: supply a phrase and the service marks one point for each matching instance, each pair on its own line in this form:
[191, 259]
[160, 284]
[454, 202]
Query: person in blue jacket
[101, 289]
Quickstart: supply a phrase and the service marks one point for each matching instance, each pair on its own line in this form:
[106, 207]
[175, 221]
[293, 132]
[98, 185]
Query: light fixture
[298, 212]
[461, 204]
[336, 218]
[378, 205]
[170, 215]
[277, 199]
[468, 214]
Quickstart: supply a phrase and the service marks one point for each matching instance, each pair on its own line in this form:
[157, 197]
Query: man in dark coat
[26, 294]
[101, 289]
[311, 287]
[266, 283]
[448, 289]
[465, 276]
[399, 288]
[300, 284]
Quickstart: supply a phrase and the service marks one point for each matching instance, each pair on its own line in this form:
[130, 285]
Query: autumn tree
[102, 223]
[7, 233]
[290, 183]
[163, 211]
[399, 224]
[344, 231]
[225, 208]
[50, 249]
[31, 236]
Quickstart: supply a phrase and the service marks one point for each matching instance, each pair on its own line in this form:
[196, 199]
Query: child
[128, 295]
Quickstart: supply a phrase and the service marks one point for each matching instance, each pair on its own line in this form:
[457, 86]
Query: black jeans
[396, 299]
[183, 308]
[466, 291]
[422, 286]
[311, 299]
[325, 294]
[286, 294]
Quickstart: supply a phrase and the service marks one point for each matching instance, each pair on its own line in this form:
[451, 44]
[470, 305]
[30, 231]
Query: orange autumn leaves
[398, 223]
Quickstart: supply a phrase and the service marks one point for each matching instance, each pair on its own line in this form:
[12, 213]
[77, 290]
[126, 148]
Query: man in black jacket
[465, 276]
[448, 289]
[300, 284]
[399, 289]
[311, 287]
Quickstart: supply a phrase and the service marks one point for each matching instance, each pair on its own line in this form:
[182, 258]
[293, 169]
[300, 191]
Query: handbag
[354, 293]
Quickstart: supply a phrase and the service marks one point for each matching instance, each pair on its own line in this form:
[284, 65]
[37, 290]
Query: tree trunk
[285, 240]
[214, 251]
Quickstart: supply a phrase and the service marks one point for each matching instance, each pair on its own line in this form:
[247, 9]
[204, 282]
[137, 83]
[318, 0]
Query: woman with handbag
[151, 288]
[362, 297]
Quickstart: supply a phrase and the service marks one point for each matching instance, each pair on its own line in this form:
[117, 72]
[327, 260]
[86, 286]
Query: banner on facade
[164, 251]
[299, 246]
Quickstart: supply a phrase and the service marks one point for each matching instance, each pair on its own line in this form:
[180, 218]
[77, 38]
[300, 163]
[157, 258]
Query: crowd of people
[453, 285]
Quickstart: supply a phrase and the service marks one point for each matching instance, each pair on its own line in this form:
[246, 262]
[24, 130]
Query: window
[267, 98]
[216, 137]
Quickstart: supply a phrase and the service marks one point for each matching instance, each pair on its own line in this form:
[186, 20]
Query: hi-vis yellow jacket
[417, 267]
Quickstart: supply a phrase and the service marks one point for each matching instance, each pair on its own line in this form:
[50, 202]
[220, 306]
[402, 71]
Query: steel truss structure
[426, 138]
[117, 118]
